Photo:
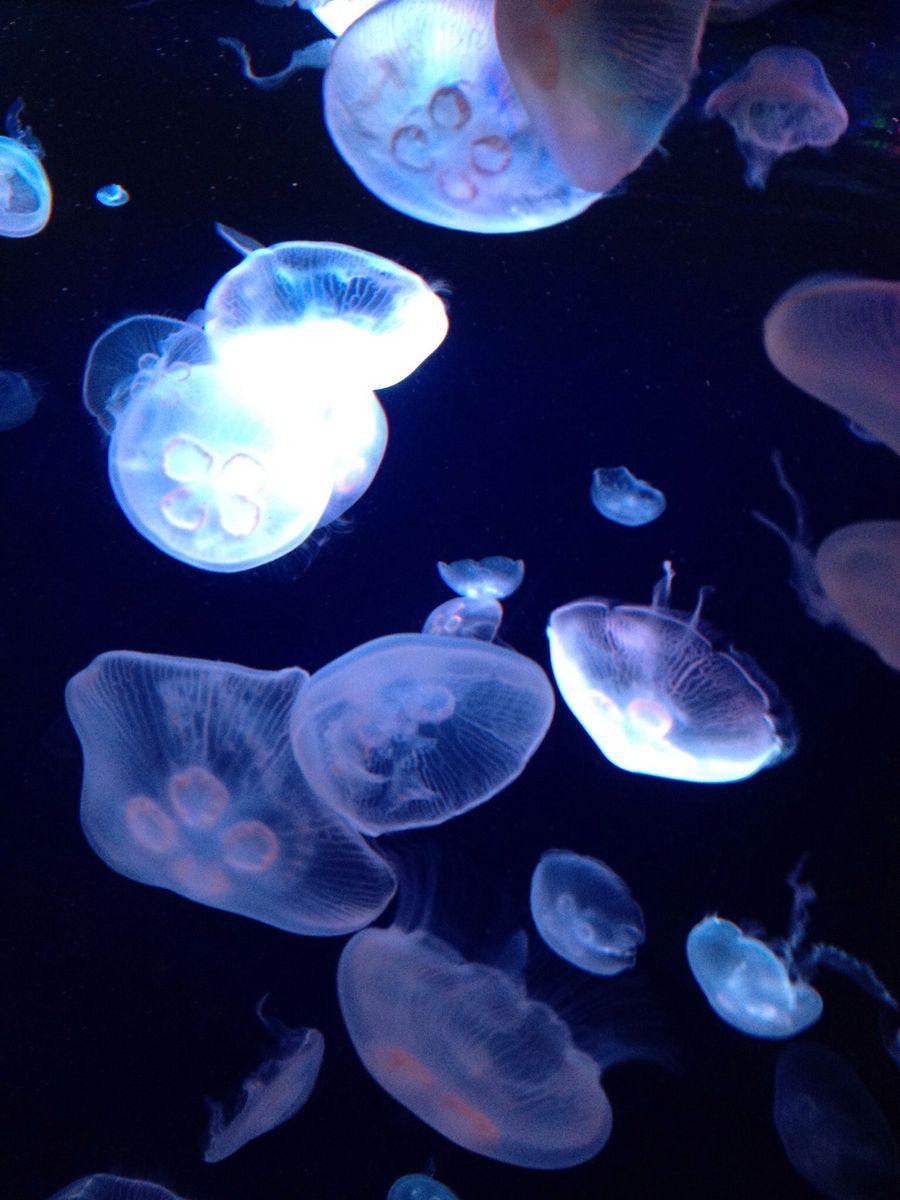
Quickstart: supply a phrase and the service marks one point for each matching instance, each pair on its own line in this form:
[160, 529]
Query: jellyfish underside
[619, 496]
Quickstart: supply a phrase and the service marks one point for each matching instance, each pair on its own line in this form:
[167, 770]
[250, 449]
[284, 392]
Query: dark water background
[629, 335]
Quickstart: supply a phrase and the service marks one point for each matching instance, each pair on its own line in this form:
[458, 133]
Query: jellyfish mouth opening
[648, 718]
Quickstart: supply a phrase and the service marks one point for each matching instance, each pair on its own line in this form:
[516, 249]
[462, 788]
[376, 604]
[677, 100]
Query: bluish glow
[335, 14]
[25, 196]
[113, 1187]
[619, 496]
[585, 912]
[494, 578]
[189, 784]
[18, 400]
[419, 1187]
[112, 195]
[461, 617]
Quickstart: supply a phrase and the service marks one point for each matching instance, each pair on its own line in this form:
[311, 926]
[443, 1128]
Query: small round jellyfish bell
[495, 577]
[419, 1187]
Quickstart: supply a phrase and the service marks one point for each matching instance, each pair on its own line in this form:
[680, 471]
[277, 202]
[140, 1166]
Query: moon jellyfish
[419, 1187]
[25, 195]
[779, 102]
[834, 1134]
[112, 195]
[585, 912]
[18, 400]
[272, 1094]
[494, 578]
[414, 729]
[113, 1187]
[619, 496]
[600, 81]
[190, 785]
[837, 338]
[463, 1047]
[658, 698]
[464, 617]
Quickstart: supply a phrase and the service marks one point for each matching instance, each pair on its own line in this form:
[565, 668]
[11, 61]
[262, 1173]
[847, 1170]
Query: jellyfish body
[419, 1187]
[656, 696]
[494, 578]
[112, 195]
[18, 400]
[837, 338]
[25, 195]
[600, 81]
[271, 1095]
[779, 102]
[414, 729]
[464, 617]
[113, 1187]
[439, 133]
[585, 912]
[619, 496]
[463, 1047]
[189, 784]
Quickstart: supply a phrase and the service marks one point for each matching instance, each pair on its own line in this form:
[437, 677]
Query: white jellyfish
[621, 497]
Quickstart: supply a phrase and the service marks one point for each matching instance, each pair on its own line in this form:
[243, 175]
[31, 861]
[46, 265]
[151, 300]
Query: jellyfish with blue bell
[480, 585]
[26, 198]
[623, 498]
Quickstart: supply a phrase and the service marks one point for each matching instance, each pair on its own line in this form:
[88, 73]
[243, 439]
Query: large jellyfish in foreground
[621, 497]
[658, 698]
[838, 338]
[779, 102]
[461, 1044]
[190, 785]
[25, 196]
[600, 81]
[113, 1187]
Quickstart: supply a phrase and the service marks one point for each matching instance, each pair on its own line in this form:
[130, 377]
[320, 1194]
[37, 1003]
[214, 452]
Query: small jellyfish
[419, 1187]
[189, 784]
[837, 338]
[600, 81]
[112, 195]
[658, 698]
[414, 729]
[833, 1132]
[462, 617]
[25, 195]
[271, 1095]
[779, 102]
[113, 1187]
[18, 400]
[585, 912]
[619, 496]
[495, 577]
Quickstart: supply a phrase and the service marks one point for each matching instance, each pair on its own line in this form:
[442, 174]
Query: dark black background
[630, 335]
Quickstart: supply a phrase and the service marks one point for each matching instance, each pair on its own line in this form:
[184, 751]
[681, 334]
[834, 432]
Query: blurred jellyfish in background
[779, 102]
[837, 338]
[25, 195]
[113, 1187]
[833, 1132]
[190, 785]
[271, 1095]
[724, 11]
[18, 399]
[479, 586]
[658, 698]
[585, 912]
[112, 195]
[600, 81]
[619, 496]
[419, 1187]
[852, 580]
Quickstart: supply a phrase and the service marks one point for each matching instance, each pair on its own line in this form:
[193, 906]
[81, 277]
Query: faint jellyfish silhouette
[419, 1187]
[585, 912]
[833, 1132]
[837, 338]
[271, 1095]
[189, 784]
[112, 195]
[600, 82]
[25, 195]
[852, 580]
[658, 698]
[779, 102]
[724, 11]
[18, 399]
[414, 729]
[482, 1063]
[619, 496]
[113, 1187]
[495, 577]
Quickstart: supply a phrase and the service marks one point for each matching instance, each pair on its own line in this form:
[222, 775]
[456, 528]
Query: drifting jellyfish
[619, 496]
[25, 195]
[600, 81]
[585, 912]
[466, 618]
[112, 195]
[414, 729]
[113, 1187]
[838, 339]
[494, 578]
[18, 400]
[779, 102]
[656, 696]
[834, 1134]
[419, 1187]
[272, 1094]
[484, 1065]
[189, 784]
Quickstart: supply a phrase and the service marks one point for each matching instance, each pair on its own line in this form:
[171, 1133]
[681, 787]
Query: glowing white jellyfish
[25, 195]
[658, 698]
[621, 497]
[494, 577]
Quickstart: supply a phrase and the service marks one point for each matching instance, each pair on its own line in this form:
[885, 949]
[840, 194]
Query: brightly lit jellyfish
[18, 399]
[336, 15]
[852, 580]
[419, 1187]
[112, 195]
[658, 698]
[779, 102]
[585, 912]
[495, 577]
[462, 1046]
[189, 784]
[25, 195]
[113, 1187]
[621, 497]
[415, 729]
[466, 618]
[600, 81]
[838, 339]
[833, 1132]
[271, 1095]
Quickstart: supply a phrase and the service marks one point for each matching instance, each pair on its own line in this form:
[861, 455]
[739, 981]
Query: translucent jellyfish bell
[25, 196]
[621, 497]
[189, 784]
[113, 1187]
[112, 195]
[419, 1187]
[18, 399]
[600, 81]
[462, 617]
[658, 698]
[779, 102]
[495, 577]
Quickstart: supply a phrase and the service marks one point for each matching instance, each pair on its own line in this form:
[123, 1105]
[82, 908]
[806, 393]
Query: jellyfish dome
[463, 1047]
[658, 698]
[414, 729]
[25, 195]
[621, 497]
[419, 1187]
[113, 1187]
[495, 577]
[465, 617]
